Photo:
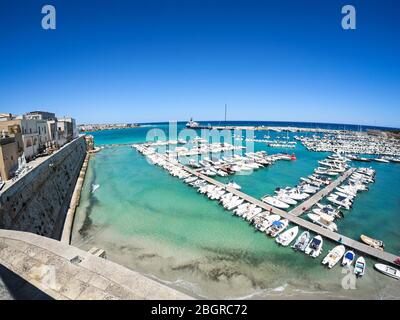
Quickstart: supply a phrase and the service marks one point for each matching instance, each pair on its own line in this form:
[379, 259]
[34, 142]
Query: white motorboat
[288, 236]
[190, 179]
[233, 185]
[277, 227]
[302, 241]
[314, 248]
[348, 258]
[327, 209]
[388, 270]
[308, 188]
[340, 201]
[344, 195]
[382, 160]
[334, 255]
[284, 198]
[266, 223]
[347, 190]
[296, 194]
[274, 202]
[251, 213]
[323, 220]
[360, 266]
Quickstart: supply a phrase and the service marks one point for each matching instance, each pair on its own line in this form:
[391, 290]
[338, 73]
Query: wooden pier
[293, 215]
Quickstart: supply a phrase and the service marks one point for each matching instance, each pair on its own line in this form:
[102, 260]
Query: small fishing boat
[348, 258]
[288, 236]
[378, 244]
[388, 270]
[302, 241]
[333, 257]
[314, 248]
[359, 268]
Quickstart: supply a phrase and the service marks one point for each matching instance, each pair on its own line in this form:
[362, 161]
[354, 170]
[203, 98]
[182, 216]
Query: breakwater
[38, 202]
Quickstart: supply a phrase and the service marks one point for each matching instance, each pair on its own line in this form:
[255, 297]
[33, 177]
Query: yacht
[302, 241]
[348, 258]
[274, 202]
[359, 268]
[192, 124]
[388, 270]
[323, 220]
[277, 227]
[314, 248]
[334, 255]
[288, 236]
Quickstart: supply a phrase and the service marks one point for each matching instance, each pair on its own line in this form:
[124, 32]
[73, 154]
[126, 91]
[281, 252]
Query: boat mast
[225, 113]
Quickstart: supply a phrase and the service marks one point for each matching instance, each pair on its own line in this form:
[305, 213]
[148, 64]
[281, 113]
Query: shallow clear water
[156, 224]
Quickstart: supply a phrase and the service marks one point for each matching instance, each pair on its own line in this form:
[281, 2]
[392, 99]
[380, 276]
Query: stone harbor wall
[38, 202]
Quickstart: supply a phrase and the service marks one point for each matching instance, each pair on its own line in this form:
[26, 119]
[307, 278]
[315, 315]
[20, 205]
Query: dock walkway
[294, 217]
[321, 194]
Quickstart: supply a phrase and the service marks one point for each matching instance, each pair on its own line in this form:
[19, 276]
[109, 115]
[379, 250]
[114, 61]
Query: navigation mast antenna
[225, 112]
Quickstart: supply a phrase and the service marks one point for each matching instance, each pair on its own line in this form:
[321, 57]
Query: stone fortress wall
[38, 202]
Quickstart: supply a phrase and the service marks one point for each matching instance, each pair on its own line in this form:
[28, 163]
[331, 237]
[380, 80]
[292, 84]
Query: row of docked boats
[271, 224]
[235, 164]
[353, 143]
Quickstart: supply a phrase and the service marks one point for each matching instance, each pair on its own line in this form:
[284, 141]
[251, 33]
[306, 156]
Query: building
[38, 131]
[8, 156]
[67, 131]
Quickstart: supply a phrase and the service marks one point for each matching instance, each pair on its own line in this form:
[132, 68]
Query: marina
[334, 179]
[293, 215]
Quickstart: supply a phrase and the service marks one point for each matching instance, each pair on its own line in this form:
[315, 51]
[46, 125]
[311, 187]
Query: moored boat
[333, 257]
[378, 244]
[360, 266]
[302, 241]
[388, 270]
[314, 248]
[288, 236]
[348, 258]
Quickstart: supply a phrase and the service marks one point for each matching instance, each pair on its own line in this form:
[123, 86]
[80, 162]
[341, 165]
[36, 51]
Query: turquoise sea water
[155, 224]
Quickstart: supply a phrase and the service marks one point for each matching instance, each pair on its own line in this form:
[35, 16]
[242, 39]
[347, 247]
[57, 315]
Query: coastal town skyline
[158, 62]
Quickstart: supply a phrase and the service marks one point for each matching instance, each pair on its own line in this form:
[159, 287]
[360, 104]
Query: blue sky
[160, 60]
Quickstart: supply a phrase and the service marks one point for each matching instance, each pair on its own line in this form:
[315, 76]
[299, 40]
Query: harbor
[293, 215]
[177, 161]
